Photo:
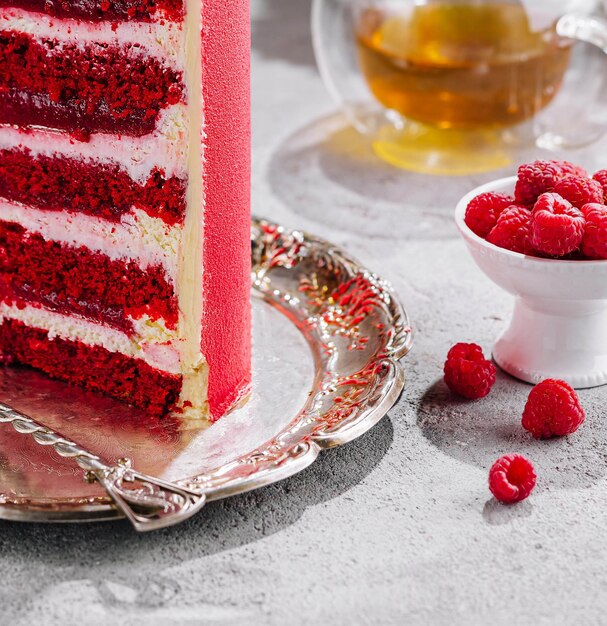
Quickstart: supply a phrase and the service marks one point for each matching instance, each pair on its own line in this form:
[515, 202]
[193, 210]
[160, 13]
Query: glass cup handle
[586, 29]
[583, 28]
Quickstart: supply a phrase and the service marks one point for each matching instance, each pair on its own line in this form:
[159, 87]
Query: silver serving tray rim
[298, 274]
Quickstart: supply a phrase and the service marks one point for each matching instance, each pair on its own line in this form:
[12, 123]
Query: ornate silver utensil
[147, 502]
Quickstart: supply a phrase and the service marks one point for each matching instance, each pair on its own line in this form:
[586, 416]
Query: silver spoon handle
[148, 503]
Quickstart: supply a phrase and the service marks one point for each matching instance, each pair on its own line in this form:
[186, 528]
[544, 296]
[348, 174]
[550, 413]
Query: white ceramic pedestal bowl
[559, 324]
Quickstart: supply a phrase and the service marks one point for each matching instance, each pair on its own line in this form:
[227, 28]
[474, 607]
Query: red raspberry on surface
[483, 210]
[557, 227]
[511, 478]
[467, 372]
[513, 230]
[579, 190]
[601, 178]
[594, 244]
[537, 178]
[553, 409]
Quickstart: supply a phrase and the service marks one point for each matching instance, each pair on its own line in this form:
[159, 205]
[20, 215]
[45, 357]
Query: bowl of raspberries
[542, 236]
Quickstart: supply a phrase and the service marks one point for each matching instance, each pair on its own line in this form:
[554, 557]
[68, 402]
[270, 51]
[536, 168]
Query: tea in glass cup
[454, 86]
[459, 65]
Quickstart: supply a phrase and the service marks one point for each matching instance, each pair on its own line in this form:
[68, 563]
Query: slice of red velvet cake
[124, 197]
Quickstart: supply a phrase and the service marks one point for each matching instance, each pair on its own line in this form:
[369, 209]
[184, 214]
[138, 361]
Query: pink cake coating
[226, 78]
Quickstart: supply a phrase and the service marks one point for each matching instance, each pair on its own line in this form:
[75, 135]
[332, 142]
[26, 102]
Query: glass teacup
[455, 86]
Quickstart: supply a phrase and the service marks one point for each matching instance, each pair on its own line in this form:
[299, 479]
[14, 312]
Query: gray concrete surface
[397, 527]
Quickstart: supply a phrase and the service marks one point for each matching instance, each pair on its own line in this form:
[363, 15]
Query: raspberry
[569, 168]
[552, 410]
[483, 211]
[467, 372]
[594, 244]
[601, 178]
[557, 228]
[579, 190]
[512, 230]
[511, 478]
[537, 178]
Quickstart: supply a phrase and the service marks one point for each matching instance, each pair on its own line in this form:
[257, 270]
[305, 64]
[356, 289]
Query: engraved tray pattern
[328, 338]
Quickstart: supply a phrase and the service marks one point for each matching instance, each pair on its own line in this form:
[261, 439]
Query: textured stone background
[397, 527]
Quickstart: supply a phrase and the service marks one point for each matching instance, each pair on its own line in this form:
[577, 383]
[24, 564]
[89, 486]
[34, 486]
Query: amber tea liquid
[461, 66]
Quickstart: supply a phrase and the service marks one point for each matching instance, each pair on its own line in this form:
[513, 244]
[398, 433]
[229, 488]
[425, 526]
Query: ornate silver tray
[328, 335]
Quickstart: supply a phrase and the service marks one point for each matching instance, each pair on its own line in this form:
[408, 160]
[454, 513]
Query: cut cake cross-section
[124, 198]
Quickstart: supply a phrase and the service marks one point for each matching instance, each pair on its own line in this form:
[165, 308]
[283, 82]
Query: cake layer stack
[124, 198]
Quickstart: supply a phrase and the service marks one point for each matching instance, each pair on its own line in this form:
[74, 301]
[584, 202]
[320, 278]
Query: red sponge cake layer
[22, 297]
[76, 278]
[103, 190]
[96, 10]
[99, 88]
[92, 367]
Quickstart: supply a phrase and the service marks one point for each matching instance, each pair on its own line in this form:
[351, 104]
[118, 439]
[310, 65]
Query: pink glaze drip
[227, 171]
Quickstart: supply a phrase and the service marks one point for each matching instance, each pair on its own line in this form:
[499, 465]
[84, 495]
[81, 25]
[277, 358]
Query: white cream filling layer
[137, 237]
[159, 39]
[152, 342]
[165, 148]
[193, 364]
